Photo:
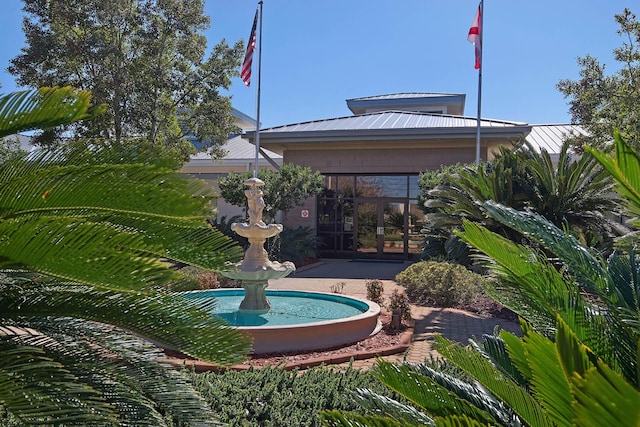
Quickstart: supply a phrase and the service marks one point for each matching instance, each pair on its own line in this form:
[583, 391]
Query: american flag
[245, 74]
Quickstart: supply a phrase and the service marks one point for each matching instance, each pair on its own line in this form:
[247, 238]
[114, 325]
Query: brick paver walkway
[454, 324]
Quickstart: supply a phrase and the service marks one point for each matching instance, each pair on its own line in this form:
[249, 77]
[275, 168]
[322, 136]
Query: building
[372, 159]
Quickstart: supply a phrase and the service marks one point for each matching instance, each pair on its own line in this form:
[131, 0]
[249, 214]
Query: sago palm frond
[158, 315]
[515, 397]
[529, 285]
[45, 108]
[378, 404]
[597, 319]
[601, 396]
[40, 391]
[584, 265]
[536, 355]
[349, 419]
[121, 368]
[624, 167]
[427, 394]
[98, 223]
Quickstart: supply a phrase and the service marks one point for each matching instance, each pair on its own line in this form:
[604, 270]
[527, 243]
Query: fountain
[299, 321]
[255, 270]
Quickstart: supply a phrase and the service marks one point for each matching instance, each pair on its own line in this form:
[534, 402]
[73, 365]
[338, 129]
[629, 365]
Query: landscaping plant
[577, 360]
[273, 396]
[440, 283]
[86, 250]
[375, 291]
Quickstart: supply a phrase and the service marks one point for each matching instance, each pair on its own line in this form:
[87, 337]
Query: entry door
[381, 229]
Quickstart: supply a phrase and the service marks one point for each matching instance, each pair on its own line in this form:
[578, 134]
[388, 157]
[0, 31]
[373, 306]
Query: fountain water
[333, 320]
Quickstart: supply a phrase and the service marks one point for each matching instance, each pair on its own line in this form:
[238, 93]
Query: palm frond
[427, 394]
[132, 218]
[388, 407]
[597, 321]
[539, 290]
[515, 397]
[162, 317]
[601, 396]
[123, 369]
[348, 419]
[496, 351]
[549, 384]
[624, 167]
[40, 391]
[583, 264]
[45, 108]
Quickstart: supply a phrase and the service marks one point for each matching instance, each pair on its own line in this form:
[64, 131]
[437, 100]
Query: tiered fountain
[298, 320]
[255, 270]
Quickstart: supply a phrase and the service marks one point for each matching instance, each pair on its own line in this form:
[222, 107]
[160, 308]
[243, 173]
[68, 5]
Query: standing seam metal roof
[391, 120]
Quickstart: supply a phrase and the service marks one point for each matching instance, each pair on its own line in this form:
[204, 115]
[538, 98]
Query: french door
[381, 226]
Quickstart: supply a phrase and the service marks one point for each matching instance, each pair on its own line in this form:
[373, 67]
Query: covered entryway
[364, 216]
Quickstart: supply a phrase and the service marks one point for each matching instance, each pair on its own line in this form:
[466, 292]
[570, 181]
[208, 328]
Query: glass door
[393, 231]
[367, 229]
[381, 229]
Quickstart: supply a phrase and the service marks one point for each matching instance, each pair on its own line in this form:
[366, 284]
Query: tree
[603, 103]
[283, 189]
[145, 59]
[85, 255]
[577, 361]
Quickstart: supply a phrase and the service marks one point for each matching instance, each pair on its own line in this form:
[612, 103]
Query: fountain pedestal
[255, 270]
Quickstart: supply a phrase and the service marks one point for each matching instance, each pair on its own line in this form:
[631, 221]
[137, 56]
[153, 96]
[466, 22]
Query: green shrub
[375, 291]
[295, 245]
[272, 396]
[440, 283]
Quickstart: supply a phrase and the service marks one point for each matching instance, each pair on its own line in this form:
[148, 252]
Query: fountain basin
[298, 321]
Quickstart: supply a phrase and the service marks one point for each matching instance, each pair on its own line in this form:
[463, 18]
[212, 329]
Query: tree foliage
[145, 59]
[283, 189]
[604, 102]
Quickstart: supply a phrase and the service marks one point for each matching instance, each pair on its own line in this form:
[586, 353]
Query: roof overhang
[278, 142]
[451, 103]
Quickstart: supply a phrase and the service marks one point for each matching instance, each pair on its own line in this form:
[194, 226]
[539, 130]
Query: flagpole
[255, 171]
[481, 31]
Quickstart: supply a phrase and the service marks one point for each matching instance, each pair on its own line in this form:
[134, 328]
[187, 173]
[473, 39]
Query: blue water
[287, 307]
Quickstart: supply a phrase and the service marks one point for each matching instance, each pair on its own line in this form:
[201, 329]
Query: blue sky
[317, 54]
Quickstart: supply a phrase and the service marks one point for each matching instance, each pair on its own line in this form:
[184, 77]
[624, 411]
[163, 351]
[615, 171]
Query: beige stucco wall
[381, 160]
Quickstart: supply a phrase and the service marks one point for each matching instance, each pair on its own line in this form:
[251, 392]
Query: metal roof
[390, 120]
[551, 137]
[406, 95]
[414, 101]
[237, 148]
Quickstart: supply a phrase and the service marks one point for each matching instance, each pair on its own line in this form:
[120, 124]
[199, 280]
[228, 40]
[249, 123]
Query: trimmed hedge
[440, 283]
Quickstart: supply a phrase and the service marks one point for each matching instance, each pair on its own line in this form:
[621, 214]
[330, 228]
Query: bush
[440, 283]
[399, 302]
[296, 245]
[272, 396]
[375, 291]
